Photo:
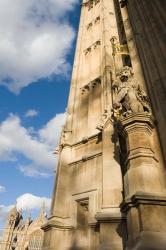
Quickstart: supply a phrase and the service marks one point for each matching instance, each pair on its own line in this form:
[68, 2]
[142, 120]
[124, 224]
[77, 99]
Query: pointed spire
[43, 208]
[13, 211]
[42, 213]
[28, 217]
[28, 213]
[12, 216]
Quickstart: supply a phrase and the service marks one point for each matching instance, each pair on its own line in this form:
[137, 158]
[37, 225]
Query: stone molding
[83, 141]
[109, 217]
[143, 198]
[51, 224]
[91, 85]
[133, 123]
[85, 158]
[94, 22]
[137, 118]
[89, 3]
[93, 46]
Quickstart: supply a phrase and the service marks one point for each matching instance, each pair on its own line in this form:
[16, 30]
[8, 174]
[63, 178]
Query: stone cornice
[86, 139]
[137, 118]
[109, 217]
[56, 224]
[143, 198]
[85, 158]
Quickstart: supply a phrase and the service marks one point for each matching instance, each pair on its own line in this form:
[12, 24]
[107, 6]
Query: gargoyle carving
[129, 96]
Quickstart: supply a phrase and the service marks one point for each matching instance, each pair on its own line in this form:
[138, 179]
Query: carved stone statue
[105, 117]
[129, 96]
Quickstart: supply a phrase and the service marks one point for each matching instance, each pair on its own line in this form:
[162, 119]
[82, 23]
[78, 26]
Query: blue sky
[36, 55]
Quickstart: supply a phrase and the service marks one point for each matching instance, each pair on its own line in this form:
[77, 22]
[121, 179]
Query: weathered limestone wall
[108, 176]
[89, 175]
[148, 23]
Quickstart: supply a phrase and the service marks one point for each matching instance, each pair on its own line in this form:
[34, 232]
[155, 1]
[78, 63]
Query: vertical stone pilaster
[112, 178]
[142, 170]
[112, 231]
[145, 196]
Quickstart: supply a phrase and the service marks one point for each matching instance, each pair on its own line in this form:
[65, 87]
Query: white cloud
[31, 113]
[33, 171]
[24, 202]
[36, 147]
[29, 201]
[34, 41]
[2, 189]
[51, 131]
[4, 210]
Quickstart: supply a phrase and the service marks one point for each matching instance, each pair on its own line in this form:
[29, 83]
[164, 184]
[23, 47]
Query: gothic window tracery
[35, 241]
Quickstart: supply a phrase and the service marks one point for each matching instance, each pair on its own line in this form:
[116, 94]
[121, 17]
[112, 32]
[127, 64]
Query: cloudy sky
[37, 42]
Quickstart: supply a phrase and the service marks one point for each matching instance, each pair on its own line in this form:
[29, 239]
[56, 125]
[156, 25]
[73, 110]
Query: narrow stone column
[144, 194]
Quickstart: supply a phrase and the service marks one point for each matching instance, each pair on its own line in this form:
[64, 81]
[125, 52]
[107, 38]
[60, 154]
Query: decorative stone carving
[129, 96]
[94, 45]
[85, 139]
[107, 115]
[13, 214]
[96, 82]
[84, 89]
[89, 25]
[87, 51]
[97, 19]
[91, 85]
[64, 138]
[96, 1]
[90, 3]
[97, 43]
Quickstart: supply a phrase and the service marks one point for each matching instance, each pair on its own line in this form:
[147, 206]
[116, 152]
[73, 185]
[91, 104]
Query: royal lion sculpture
[129, 96]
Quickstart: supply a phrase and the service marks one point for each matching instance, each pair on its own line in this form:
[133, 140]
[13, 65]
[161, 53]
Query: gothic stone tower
[110, 187]
[23, 234]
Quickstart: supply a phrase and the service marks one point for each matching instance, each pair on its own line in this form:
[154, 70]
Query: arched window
[36, 240]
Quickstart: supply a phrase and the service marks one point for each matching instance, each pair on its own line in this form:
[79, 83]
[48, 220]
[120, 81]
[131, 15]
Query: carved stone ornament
[107, 115]
[63, 139]
[90, 3]
[129, 96]
[89, 25]
[90, 86]
[97, 19]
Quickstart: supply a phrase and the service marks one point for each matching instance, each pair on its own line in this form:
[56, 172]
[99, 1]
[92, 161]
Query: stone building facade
[20, 234]
[110, 188]
[150, 36]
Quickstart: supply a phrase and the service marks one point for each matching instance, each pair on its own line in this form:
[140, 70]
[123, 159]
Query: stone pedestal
[112, 231]
[144, 193]
[55, 233]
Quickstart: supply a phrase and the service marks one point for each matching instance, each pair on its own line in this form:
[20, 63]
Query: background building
[23, 234]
